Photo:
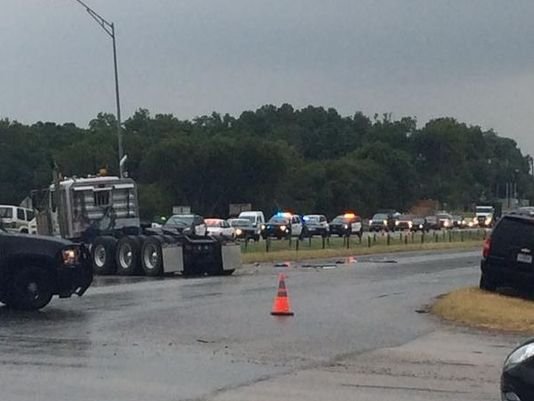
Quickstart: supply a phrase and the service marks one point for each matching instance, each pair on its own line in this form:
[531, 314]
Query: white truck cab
[256, 217]
[16, 219]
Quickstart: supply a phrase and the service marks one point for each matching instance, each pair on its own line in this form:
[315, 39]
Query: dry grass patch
[482, 309]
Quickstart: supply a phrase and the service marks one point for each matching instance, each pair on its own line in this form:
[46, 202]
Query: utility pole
[109, 28]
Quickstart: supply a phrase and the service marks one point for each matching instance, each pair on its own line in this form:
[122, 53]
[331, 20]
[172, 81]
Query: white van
[16, 219]
[257, 218]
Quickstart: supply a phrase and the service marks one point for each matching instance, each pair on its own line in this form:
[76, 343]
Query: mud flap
[231, 256]
[173, 258]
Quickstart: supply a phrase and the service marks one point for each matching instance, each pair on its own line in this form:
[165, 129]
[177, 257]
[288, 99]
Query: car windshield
[380, 216]
[340, 219]
[6, 212]
[311, 219]
[279, 220]
[241, 223]
[180, 221]
[252, 219]
[484, 209]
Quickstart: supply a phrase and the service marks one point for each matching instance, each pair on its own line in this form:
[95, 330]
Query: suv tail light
[486, 248]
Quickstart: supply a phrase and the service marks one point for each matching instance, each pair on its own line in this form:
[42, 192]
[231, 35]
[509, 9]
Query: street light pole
[109, 28]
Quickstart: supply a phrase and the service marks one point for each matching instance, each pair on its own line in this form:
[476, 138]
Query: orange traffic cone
[281, 301]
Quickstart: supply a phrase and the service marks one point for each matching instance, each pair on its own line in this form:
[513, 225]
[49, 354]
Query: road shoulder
[446, 364]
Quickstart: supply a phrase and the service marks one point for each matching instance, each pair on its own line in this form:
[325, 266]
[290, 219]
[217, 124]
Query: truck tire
[31, 289]
[152, 257]
[103, 255]
[127, 256]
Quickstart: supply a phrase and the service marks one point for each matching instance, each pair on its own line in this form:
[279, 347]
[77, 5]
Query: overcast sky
[473, 60]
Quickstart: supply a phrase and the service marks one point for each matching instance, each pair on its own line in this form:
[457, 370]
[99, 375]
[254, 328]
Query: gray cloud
[471, 60]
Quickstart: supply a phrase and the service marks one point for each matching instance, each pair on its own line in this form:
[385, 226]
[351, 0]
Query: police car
[283, 225]
[346, 224]
[316, 224]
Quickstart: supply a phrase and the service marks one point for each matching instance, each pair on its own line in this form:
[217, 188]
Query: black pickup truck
[33, 269]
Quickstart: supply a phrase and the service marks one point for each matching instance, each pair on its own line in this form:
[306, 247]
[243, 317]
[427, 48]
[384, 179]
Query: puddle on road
[381, 260]
[324, 266]
[105, 281]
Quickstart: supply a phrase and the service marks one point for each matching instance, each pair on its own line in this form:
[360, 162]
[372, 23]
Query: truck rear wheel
[103, 255]
[127, 256]
[152, 257]
[31, 289]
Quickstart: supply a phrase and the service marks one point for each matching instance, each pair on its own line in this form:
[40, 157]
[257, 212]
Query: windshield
[279, 220]
[6, 212]
[339, 219]
[311, 219]
[380, 216]
[252, 219]
[484, 209]
[180, 221]
[241, 223]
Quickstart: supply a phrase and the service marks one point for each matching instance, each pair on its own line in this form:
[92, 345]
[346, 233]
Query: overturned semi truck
[103, 213]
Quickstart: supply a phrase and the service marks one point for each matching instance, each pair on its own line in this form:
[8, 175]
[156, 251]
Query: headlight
[488, 220]
[420, 226]
[346, 226]
[71, 256]
[410, 224]
[519, 355]
[370, 222]
[446, 223]
[263, 226]
[385, 222]
[283, 228]
[397, 223]
[238, 231]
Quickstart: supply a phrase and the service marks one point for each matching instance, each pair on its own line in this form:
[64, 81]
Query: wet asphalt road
[188, 339]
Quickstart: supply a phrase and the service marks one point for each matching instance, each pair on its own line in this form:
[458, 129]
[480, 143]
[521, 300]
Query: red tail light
[486, 248]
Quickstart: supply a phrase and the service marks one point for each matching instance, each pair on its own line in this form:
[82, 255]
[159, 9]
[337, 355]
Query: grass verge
[305, 254]
[482, 309]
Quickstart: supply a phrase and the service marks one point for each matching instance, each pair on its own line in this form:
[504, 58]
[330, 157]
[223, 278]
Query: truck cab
[485, 216]
[102, 212]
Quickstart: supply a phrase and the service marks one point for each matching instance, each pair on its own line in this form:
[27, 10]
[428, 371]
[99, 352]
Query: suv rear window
[6, 212]
[512, 233]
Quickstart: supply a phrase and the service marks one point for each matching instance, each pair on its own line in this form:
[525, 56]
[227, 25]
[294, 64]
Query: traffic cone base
[281, 301]
[282, 313]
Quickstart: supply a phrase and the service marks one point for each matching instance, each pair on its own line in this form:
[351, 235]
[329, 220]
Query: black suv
[507, 259]
[33, 269]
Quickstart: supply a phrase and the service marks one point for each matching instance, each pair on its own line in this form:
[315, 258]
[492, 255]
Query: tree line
[307, 160]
